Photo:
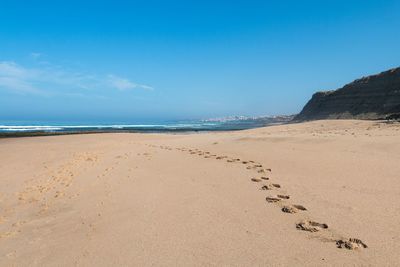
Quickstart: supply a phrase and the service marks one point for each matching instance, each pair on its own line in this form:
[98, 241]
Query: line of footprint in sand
[280, 200]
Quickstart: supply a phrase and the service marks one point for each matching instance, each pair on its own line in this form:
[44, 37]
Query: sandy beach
[280, 195]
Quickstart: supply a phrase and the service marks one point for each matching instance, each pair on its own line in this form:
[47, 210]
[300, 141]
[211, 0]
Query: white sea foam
[22, 128]
[29, 128]
[195, 126]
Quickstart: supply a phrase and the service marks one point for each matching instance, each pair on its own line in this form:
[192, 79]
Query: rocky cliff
[372, 97]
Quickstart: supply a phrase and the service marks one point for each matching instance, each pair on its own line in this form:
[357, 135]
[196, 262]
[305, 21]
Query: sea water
[165, 126]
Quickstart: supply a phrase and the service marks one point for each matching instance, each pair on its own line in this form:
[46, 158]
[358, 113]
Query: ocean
[221, 124]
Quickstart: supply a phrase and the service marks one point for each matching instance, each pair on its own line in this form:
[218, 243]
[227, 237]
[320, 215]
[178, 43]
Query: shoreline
[38, 134]
[151, 131]
[170, 131]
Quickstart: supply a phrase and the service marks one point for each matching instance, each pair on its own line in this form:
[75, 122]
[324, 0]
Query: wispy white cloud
[50, 80]
[125, 84]
[17, 78]
[11, 69]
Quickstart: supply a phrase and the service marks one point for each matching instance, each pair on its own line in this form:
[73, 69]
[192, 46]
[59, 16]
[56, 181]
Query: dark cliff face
[372, 97]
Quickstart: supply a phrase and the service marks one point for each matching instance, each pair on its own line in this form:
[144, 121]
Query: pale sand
[121, 199]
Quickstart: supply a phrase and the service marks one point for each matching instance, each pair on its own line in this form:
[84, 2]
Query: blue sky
[155, 60]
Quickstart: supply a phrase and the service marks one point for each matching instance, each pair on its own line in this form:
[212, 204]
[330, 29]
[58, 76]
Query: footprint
[266, 187]
[276, 185]
[352, 243]
[272, 199]
[311, 226]
[264, 170]
[59, 194]
[221, 157]
[257, 180]
[300, 207]
[269, 187]
[283, 196]
[289, 209]
[293, 208]
[264, 178]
